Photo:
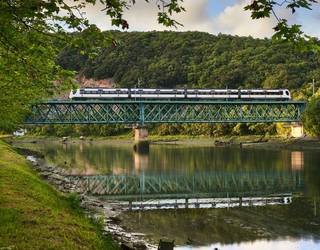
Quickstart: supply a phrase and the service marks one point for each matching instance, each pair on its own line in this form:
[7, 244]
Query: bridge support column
[297, 130]
[140, 134]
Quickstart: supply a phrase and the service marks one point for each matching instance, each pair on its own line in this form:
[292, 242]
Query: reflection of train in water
[281, 199]
[211, 94]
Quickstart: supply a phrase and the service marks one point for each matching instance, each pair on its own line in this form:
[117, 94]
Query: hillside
[196, 59]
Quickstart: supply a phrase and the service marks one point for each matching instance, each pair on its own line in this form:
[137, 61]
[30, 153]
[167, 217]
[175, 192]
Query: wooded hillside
[196, 59]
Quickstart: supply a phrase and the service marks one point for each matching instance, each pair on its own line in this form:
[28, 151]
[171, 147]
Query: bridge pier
[140, 134]
[297, 130]
[141, 143]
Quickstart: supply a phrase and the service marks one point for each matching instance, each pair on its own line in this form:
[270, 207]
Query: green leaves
[32, 33]
[286, 32]
[168, 8]
[283, 31]
[196, 60]
[311, 116]
[260, 8]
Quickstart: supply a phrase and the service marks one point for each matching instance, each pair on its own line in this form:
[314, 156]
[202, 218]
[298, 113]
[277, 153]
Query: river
[236, 172]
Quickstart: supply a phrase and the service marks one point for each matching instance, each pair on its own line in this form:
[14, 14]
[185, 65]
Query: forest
[193, 60]
[196, 60]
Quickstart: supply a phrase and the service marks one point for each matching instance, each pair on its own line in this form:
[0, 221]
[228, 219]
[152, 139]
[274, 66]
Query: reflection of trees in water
[192, 159]
[227, 226]
[312, 172]
[86, 156]
[164, 159]
[91, 158]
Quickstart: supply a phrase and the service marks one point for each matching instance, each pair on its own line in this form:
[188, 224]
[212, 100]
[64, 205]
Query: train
[196, 94]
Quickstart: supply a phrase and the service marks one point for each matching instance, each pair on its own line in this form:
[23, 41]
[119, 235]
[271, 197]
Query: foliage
[283, 129]
[78, 130]
[33, 32]
[262, 128]
[204, 129]
[311, 116]
[196, 59]
[31, 35]
[35, 216]
[283, 31]
[215, 130]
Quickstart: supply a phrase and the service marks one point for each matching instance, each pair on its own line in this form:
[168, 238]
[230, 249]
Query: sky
[283, 244]
[212, 16]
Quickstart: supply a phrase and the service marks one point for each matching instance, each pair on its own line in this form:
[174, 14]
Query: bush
[311, 116]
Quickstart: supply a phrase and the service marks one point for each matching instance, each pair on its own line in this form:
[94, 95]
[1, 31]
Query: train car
[262, 94]
[98, 93]
[196, 94]
[212, 93]
[158, 93]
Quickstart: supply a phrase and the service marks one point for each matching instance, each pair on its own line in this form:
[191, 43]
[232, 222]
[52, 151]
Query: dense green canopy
[33, 32]
[196, 59]
[31, 35]
[311, 116]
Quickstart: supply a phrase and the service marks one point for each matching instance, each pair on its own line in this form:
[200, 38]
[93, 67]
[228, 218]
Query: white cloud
[143, 16]
[236, 21]
[232, 20]
[283, 244]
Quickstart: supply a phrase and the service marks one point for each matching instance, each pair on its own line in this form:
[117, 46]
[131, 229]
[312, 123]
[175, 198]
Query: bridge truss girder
[197, 185]
[144, 112]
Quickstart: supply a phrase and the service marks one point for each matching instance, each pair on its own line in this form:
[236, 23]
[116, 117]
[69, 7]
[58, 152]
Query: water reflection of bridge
[209, 184]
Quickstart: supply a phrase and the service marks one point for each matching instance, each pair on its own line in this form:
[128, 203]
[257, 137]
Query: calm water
[288, 226]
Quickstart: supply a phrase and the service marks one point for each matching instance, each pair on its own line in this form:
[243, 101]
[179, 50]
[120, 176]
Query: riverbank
[36, 216]
[256, 141]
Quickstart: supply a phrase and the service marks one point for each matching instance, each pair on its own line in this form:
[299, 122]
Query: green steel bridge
[208, 184]
[141, 112]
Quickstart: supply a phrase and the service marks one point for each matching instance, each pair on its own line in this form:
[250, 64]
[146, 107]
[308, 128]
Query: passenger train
[211, 94]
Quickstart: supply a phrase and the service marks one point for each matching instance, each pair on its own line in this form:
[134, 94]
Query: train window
[90, 91]
[287, 93]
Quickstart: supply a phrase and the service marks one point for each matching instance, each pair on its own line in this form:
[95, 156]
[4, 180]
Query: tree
[33, 32]
[284, 31]
[31, 35]
[311, 116]
[241, 63]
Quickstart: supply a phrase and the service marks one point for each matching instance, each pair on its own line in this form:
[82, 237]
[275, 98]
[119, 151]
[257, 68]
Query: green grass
[33, 215]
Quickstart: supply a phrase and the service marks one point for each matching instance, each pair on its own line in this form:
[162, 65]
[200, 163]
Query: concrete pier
[140, 134]
[297, 130]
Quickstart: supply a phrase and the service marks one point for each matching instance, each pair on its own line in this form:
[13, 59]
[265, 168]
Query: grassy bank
[270, 141]
[35, 216]
[151, 137]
